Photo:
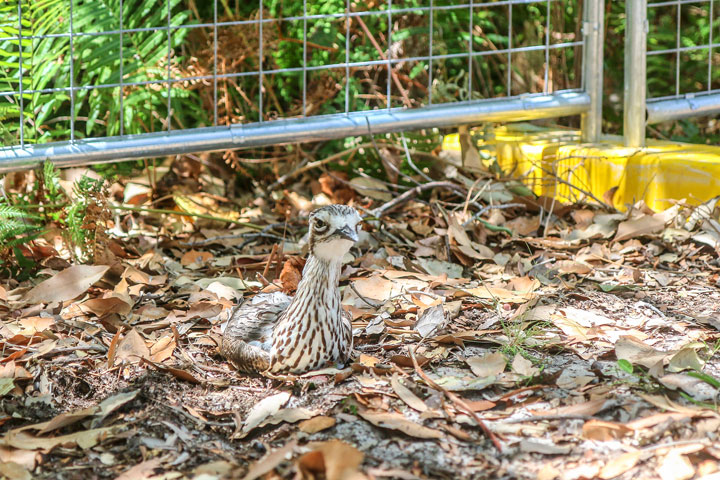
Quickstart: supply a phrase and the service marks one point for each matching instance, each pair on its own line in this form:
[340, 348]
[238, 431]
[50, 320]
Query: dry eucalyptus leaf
[262, 410]
[332, 460]
[685, 359]
[431, 320]
[676, 466]
[270, 461]
[83, 439]
[395, 421]
[317, 424]
[372, 188]
[645, 225]
[406, 395]
[619, 465]
[523, 366]
[66, 285]
[488, 365]
[288, 415]
[636, 352]
[132, 348]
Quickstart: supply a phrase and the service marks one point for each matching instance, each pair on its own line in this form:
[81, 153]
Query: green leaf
[709, 379]
[625, 366]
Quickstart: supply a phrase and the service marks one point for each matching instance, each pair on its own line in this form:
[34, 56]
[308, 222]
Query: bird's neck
[320, 280]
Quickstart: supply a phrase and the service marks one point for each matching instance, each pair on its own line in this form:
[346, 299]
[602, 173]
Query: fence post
[593, 33]
[636, 29]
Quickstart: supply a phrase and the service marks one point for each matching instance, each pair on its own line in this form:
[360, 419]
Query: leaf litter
[581, 341]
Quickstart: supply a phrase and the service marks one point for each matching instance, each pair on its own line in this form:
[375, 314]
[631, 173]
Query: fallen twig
[412, 193]
[456, 400]
[309, 166]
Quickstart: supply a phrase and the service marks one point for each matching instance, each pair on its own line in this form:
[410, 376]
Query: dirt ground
[589, 350]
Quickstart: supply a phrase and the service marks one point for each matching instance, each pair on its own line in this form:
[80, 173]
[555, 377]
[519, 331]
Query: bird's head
[333, 230]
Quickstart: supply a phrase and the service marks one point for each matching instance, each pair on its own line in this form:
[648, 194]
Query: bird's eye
[320, 225]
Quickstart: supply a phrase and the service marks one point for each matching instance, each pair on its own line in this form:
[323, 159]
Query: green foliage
[625, 366]
[80, 217]
[46, 65]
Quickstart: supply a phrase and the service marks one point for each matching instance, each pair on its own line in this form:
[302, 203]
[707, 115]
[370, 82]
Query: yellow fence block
[555, 163]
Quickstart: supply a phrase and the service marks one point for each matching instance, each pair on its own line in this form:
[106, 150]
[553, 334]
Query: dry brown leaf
[638, 353]
[480, 405]
[288, 415]
[583, 218]
[502, 295]
[291, 274]
[26, 458]
[112, 350]
[523, 366]
[316, 424]
[262, 410]
[586, 408]
[270, 461]
[604, 431]
[656, 419]
[332, 460]
[524, 226]
[106, 306]
[83, 439]
[141, 471]
[645, 225]
[571, 266]
[14, 471]
[132, 348]
[488, 365]
[619, 465]
[162, 349]
[32, 325]
[66, 285]
[395, 421]
[406, 395]
[675, 466]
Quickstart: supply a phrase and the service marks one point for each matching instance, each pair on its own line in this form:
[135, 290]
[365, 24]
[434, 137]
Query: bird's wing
[248, 335]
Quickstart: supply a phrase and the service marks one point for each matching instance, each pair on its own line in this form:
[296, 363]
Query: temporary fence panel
[79, 72]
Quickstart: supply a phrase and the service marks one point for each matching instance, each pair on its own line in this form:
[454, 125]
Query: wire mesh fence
[80, 70]
[688, 51]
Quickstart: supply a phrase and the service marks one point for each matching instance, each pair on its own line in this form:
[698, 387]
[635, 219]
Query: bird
[273, 333]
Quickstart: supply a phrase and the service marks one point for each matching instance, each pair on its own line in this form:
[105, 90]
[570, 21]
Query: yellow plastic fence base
[657, 174]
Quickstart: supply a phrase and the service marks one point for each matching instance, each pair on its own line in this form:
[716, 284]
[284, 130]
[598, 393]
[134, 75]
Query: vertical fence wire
[430, 53]
[120, 81]
[304, 60]
[21, 100]
[677, 48]
[710, 47]
[215, 59]
[470, 52]
[547, 46]
[72, 76]
[347, 57]
[169, 74]
[509, 53]
[260, 65]
[389, 54]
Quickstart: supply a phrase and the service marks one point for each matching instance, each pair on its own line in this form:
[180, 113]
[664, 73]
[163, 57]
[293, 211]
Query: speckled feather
[276, 334]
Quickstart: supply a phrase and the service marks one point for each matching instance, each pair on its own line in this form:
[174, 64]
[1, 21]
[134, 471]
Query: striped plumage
[277, 334]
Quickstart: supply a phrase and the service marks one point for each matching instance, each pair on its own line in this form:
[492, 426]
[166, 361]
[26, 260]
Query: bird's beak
[347, 233]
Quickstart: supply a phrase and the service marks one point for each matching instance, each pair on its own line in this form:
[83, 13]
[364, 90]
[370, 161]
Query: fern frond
[51, 176]
[11, 211]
